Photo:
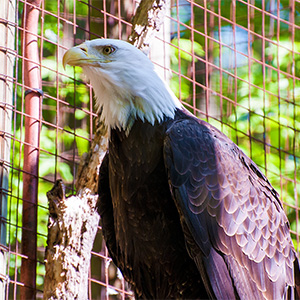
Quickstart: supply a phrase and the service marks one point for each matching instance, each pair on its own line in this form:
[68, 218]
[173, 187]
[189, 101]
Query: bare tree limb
[87, 176]
[146, 22]
[72, 228]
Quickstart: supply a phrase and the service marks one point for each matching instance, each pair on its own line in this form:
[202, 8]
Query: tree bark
[72, 228]
[146, 22]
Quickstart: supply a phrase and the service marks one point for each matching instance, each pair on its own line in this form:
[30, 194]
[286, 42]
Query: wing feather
[233, 213]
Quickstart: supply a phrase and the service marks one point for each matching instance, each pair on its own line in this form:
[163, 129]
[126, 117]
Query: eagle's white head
[124, 81]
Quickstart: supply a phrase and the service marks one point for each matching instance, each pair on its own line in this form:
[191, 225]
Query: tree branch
[146, 22]
[72, 227]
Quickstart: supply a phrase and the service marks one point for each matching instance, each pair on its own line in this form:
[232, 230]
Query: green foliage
[181, 84]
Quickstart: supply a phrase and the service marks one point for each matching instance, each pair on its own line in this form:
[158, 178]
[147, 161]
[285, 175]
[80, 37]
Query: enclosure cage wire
[234, 63]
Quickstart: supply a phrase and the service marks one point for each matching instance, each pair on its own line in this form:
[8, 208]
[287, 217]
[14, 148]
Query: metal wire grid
[61, 132]
[208, 83]
[222, 80]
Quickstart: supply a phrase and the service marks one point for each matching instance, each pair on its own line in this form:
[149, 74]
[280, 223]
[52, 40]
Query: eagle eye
[108, 50]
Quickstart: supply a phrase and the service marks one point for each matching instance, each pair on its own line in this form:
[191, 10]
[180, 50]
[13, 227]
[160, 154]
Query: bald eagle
[185, 213]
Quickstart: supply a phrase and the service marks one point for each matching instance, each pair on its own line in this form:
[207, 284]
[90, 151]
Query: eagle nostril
[83, 49]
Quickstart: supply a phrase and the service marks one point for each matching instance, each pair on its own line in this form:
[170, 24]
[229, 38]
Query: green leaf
[187, 47]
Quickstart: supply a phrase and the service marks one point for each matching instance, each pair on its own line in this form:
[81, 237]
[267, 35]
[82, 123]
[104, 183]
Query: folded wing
[236, 229]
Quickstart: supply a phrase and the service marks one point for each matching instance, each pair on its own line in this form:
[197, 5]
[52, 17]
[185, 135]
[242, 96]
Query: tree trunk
[72, 228]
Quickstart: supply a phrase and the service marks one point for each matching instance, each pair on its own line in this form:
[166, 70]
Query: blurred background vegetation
[249, 89]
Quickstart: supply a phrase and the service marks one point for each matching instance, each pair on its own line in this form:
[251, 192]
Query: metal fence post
[33, 93]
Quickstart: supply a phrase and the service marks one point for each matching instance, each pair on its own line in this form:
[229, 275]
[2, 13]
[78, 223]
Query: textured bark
[72, 228]
[73, 221]
[87, 176]
[146, 22]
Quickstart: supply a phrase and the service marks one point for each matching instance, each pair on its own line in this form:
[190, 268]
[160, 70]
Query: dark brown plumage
[142, 231]
[181, 195]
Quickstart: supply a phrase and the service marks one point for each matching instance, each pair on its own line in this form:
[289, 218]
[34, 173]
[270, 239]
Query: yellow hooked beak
[77, 56]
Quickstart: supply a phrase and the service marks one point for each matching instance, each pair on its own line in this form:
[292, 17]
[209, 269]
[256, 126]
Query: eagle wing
[105, 210]
[234, 224]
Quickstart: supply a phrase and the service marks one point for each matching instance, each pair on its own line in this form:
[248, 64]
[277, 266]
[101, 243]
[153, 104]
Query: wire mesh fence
[234, 63]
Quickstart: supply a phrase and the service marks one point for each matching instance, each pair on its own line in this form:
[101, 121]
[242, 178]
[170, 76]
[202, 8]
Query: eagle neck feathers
[122, 102]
